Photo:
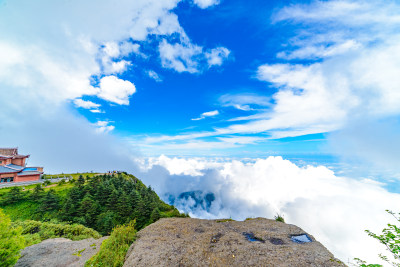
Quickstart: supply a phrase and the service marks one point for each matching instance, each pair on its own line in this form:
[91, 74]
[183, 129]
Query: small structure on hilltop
[13, 167]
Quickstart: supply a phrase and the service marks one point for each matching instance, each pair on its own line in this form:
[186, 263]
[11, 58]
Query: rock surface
[59, 252]
[195, 242]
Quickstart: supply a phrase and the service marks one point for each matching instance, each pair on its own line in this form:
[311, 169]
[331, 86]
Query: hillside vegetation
[101, 202]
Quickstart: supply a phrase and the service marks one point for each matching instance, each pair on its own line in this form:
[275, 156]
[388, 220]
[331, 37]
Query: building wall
[27, 178]
[19, 162]
[8, 175]
[3, 175]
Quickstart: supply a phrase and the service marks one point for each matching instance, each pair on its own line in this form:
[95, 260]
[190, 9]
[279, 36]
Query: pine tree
[14, 195]
[81, 180]
[113, 199]
[38, 192]
[124, 207]
[89, 210]
[49, 202]
[141, 214]
[155, 215]
[106, 222]
[69, 210]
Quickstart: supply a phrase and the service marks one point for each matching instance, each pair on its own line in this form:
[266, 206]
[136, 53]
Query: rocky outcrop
[59, 252]
[256, 242]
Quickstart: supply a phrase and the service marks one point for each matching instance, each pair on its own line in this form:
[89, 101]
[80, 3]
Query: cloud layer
[336, 210]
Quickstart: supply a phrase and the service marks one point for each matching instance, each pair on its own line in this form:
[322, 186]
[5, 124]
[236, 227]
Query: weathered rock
[59, 252]
[195, 242]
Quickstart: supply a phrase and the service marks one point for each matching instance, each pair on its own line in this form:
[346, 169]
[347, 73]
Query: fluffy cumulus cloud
[188, 57]
[52, 54]
[56, 49]
[216, 56]
[336, 210]
[340, 67]
[116, 90]
[85, 104]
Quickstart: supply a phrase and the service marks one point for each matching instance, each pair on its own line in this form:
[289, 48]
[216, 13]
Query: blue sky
[167, 106]
[196, 95]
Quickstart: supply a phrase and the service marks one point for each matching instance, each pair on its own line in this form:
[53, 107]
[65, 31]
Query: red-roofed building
[13, 167]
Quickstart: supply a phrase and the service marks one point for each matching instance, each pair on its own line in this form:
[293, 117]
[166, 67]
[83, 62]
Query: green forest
[91, 206]
[99, 202]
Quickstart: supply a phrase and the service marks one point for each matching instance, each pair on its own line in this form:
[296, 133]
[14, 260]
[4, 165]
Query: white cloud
[116, 90]
[188, 57]
[54, 55]
[336, 210]
[206, 3]
[104, 127]
[244, 101]
[96, 111]
[351, 73]
[321, 51]
[180, 57]
[111, 54]
[216, 56]
[154, 75]
[85, 104]
[207, 114]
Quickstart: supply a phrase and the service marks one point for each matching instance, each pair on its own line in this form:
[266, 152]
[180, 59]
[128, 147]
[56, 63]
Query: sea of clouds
[336, 210]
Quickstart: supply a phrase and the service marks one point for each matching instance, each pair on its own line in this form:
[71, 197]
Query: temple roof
[8, 152]
[11, 168]
[11, 153]
[5, 169]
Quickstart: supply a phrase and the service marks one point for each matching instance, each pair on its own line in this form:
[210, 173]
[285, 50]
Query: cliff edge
[255, 242]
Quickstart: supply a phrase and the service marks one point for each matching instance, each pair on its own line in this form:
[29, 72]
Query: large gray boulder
[256, 242]
[59, 252]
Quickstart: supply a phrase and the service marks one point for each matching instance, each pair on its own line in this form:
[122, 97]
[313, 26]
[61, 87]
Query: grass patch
[73, 175]
[113, 250]
[279, 218]
[22, 210]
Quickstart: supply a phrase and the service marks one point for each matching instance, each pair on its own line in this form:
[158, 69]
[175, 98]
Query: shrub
[390, 237]
[279, 218]
[35, 232]
[11, 241]
[113, 250]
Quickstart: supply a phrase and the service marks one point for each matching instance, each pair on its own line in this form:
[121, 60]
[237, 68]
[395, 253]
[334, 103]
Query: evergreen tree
[81, 181]
[106, 222]
[141, 214]
[155, 215]
[124, 207]
[89, 210]
[69, 211]
[14, 195]
[49, 202]
[113, 199]
[101, 194]
[134, 199]
[38, 192]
